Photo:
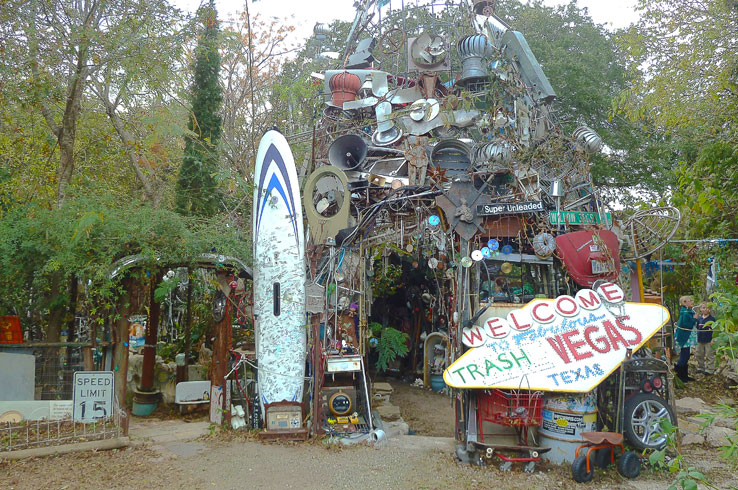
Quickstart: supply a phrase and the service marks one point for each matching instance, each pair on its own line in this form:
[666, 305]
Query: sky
[613, 13]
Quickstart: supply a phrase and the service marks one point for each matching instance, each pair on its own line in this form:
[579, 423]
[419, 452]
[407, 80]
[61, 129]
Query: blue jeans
[684, 356]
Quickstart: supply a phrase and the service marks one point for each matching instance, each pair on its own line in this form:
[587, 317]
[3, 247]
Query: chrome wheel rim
[645, 422]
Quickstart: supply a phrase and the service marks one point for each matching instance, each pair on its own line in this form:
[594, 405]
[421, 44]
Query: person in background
[685, 336]
[704, 340]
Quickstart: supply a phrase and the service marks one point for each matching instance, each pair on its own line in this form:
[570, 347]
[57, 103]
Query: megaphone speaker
[347, 152]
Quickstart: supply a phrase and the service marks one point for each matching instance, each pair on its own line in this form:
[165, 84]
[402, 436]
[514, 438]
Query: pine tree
[196, 192]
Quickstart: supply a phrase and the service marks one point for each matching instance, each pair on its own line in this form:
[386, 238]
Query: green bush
[391, 345]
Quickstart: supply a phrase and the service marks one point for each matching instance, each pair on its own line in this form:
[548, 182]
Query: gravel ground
[236, 460]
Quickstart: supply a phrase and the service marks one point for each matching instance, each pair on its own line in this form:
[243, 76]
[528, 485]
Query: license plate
[601, 267]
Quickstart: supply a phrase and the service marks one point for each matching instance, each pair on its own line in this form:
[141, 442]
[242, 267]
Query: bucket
[437, 382]
[565, 418]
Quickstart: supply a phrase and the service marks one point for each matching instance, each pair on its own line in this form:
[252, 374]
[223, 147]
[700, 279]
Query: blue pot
[143, 409]
[437, 382]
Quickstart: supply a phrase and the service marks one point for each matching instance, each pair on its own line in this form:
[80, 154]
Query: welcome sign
[569, 344]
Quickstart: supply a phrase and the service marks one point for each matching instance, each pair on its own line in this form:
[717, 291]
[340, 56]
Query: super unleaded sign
[569, 344]
[510, 208]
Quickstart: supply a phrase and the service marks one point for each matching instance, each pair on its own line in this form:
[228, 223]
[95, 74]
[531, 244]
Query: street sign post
[93, 395]
[578, 218]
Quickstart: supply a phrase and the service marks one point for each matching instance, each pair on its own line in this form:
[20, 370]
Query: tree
[139, 86]
[253, 58]
[707, 192]
[687, 85]
[589, 71]
[53, 49]
[197, 187]
[684, 59]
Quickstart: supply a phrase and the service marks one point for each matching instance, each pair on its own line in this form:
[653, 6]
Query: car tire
[641, 416]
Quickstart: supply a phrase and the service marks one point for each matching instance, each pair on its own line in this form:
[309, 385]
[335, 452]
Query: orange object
[10, 330]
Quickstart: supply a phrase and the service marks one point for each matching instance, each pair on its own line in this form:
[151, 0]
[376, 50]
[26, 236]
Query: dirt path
[172, 455]
[407, 462]
[426, 412]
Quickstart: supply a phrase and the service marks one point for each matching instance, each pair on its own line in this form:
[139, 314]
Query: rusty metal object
[392, 41]
[417, 159]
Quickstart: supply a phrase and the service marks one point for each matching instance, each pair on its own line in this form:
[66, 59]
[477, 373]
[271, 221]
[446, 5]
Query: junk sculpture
[444, 157]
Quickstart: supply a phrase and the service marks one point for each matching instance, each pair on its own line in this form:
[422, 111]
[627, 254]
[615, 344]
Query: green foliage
[376, 329]
[729, 450]
[165, 288]
[197, 187]
[725, 327]
[686, 479]
[685, 84]
[390, 346]
[708, 191]
[86, 236]
[385, 280]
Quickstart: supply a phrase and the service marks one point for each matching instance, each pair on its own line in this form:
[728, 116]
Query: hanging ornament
[493, 244]
[477, 255]
[507, 249]
[486, 252]
[506, 268]
[544, 245]
[434, 221]
[466, 261]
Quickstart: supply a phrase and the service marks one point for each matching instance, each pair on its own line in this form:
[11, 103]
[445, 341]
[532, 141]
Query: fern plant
[390, 346]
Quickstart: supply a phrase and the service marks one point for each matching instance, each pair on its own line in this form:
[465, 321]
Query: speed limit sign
[93, 395]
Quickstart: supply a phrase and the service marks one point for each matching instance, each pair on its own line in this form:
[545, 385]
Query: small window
[276, 298]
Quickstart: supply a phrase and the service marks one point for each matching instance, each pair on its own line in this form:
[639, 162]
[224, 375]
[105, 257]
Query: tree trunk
[152, 331]
[49, 382]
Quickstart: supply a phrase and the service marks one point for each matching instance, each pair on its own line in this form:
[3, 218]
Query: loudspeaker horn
[347, 152]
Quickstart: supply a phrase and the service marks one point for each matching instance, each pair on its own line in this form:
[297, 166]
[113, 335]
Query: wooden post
[120, 348]
[152, 330]
[188, 328]
[221, 348]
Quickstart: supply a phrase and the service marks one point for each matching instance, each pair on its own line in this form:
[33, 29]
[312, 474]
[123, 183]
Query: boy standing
[704, 341]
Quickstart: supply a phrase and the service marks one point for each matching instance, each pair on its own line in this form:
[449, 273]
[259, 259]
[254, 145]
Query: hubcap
[645, 422]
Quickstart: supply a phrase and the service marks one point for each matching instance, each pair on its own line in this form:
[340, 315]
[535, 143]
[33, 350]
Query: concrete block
[692, 405]
[388, 412]
[716, 436]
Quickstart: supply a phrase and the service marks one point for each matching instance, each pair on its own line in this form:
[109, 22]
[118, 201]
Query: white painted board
[570, 344]
[17, 376]
[279, 273]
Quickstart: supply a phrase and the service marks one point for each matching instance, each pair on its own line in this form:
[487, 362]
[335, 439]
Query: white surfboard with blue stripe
[279, 273]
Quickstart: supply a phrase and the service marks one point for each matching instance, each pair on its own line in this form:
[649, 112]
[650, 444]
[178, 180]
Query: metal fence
[56, 363]
[40, 433]
[38, 385]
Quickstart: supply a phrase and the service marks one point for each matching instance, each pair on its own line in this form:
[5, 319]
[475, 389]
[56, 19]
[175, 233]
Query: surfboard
[279, 273]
